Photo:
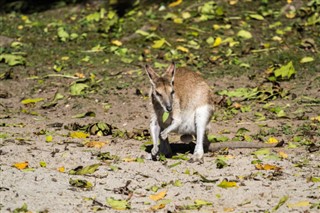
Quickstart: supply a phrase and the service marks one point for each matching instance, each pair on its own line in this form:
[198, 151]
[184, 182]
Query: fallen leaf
[257, 17]
[116, 42]
[61, 169]
[217, 42]
[199, 203]
[244, 34]
[183, 49]
[49, 138]
[78, 88]
[306, 60]
[158, 196]
[158, 206]
[31, 101]
[86, 114]
[285, 71]
[226, 184]
[80, 183]
[298, 204]
[267, 167]
[283, 155]
[158, 43]
[80, 170]
[43, 164]
[21, 165]
[280, 203]
[118, 204]
[78, 135]
[96, 144]
[315, 179]
[12, 60]
[175, 3]
[272, 140]
[129, 159]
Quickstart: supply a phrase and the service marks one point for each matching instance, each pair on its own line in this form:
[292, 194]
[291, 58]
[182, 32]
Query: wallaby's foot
[164, 134]
[196, 158]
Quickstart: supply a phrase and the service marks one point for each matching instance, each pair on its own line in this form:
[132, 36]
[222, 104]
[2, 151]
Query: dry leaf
[95, 144]
[61, 169]
[129, 159]
[116, 42]
[182, 49]
[158, 206]
[78, 135]
[298, 204]
[158, 196]
[267, 167]
[272, 140]
[283, 155]
[21, 165]
[176, 3]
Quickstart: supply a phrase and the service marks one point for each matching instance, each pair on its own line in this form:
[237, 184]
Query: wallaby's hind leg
[165, 148]
[202, 118]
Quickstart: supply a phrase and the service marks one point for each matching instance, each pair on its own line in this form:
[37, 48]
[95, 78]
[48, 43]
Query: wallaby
[187, 98]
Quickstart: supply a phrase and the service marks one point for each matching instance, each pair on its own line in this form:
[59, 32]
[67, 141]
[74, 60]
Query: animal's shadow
[177, 148]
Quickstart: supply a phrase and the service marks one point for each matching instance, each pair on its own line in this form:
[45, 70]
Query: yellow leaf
[176, 3]
[183, 49]
[21, 165]
[233, 2]
[227, 184]
[116, 42]
[128, 159]
[158, 206]
[267, 167]
[226, 209]
[61, 169]
[95, 144]
[79, 75]
[158, 43]
[217, 42]
[283, 155]
[65, 58]
[178, 20]
[316, 118]
[298, 204]
[272, 140]
[78, 135]
[158, 196]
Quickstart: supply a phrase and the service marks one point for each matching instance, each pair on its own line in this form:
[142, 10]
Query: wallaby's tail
[213, 147]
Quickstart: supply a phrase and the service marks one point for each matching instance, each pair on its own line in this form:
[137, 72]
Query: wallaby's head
[162, 86]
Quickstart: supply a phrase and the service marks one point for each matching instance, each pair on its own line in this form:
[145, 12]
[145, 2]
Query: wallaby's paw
[197, 158]
[164, 135]
[155, 151]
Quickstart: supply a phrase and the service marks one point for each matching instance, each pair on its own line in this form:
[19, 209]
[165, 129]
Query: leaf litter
[212, 37]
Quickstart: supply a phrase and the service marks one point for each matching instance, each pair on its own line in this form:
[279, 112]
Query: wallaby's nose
[169, 108]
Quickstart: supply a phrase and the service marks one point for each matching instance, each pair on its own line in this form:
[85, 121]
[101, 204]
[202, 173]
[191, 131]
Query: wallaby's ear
[151, 74]
[171, 71]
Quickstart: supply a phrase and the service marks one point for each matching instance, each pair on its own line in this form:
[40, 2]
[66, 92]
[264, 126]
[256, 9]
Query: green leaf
[262, 151]
[43, 164]
[165, 116]
[226, 184]
[12, 60]
[257, 17]
[199, 202]
[118, 204]
[49, 138]
[244, 34]
[315, 179]
[84, 170]
[281, 202]
[78, 88]
[23, 208]
[80, 183]
[86, 114]
[158, 43]
[306, 60]
[246, 93]
[62, 34]
[286, 71]
[221, 162]
[31, 101]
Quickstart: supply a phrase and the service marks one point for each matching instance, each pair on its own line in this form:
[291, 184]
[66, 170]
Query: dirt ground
[45, 189]
[74, 107]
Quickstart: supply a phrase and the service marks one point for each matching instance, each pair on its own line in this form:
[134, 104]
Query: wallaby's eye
[158, 94]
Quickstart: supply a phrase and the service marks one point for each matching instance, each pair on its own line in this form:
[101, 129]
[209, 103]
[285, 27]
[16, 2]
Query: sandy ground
[45, 189]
